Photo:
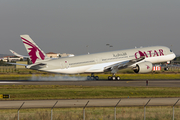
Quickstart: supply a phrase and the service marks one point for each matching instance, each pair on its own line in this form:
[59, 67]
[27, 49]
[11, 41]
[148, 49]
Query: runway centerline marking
[8, 82]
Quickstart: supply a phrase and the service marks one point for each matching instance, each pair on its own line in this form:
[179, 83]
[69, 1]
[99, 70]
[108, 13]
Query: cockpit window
[170, 50]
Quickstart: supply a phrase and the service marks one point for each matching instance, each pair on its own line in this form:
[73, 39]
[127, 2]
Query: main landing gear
[92, 77]
[113, 77]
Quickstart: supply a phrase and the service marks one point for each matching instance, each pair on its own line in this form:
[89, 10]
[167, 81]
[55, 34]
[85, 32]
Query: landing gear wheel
[109, 78]
[92, 77]
[96, 78]
[118, 78]
[113, 78]
[88, 78]
[166, 68]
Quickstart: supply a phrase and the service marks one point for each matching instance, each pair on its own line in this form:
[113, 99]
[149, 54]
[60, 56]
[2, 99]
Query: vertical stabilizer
[35, 53]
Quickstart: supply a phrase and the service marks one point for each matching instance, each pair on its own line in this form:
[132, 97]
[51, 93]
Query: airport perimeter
[141, 108]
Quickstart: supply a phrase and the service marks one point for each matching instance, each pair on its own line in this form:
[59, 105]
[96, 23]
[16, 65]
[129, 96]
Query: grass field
[27, 92]
[100, 113]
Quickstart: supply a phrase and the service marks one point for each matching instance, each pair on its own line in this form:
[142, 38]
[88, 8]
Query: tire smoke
[58, 78]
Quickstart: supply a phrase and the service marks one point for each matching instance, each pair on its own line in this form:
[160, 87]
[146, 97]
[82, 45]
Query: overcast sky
[68, 26]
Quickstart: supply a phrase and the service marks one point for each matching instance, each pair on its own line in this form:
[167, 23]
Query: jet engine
[143, 67]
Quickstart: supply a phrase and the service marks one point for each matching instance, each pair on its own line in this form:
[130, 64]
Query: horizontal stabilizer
[17, 64]
[16, 54]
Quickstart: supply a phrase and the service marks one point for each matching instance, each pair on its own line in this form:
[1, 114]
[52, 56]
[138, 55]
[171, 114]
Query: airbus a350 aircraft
[139, 59]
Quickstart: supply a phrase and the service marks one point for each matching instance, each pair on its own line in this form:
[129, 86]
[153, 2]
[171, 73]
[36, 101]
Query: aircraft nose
[174, 55]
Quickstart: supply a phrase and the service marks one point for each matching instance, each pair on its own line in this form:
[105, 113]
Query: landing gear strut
[113, 77]
[92, 77]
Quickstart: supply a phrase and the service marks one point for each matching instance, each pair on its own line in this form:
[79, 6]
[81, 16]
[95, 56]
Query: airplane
[141, 60]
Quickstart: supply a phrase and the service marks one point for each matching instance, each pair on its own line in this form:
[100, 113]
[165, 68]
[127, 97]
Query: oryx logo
[147, 66]
[139, 55]
[33, 51]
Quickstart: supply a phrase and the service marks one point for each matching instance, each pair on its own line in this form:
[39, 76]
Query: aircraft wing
[121, 65]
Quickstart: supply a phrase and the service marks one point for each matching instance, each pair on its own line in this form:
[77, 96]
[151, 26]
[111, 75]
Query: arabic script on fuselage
[119, 54]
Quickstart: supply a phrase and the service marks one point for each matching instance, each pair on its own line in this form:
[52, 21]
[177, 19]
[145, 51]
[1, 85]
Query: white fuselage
[94, 63]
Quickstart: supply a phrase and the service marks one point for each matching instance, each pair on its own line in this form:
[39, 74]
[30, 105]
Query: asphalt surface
[134, 83]
[92, 103]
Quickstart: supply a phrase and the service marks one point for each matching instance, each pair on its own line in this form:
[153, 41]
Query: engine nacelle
[143, 67]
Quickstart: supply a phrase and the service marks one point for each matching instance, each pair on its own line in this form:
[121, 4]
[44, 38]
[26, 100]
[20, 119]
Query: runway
[125, 83]
[125, 102]
[93, 102]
